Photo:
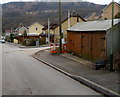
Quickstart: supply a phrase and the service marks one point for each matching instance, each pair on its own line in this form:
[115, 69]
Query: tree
[11, 37]
[24, 34]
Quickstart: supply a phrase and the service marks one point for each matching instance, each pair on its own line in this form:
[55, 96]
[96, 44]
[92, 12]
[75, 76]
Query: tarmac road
[24, 75]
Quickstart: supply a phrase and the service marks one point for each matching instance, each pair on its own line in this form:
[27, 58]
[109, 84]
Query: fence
[54, 48]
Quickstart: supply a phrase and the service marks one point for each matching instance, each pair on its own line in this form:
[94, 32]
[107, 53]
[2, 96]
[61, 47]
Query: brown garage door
[98, 50]
[86, 45]
[70, 42]
[77, 44]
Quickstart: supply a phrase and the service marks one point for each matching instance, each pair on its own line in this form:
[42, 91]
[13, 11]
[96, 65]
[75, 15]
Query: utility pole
[60, 28]
[68, 18]
[111, 53]
[48, 30]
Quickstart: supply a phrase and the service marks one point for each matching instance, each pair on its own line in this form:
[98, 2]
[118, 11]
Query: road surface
[24, 75]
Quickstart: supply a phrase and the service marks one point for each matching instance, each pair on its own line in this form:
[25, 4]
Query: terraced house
[107, 11]
[66, 23]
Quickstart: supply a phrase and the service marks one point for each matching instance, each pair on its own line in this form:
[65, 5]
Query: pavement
[23, 46]
[103, 81]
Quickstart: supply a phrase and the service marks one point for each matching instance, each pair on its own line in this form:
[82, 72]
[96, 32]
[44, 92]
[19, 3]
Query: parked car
[2, 41]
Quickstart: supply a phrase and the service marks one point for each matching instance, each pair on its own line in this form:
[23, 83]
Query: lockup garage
[92, 40]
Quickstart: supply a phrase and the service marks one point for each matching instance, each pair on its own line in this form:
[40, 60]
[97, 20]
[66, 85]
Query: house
[32, 32]
[66, 23]
[107, 11]
[92, 40]
[73, 20]
[35, 28]
[7, 34]
[51, 30]
[93, 16]
[19, 32]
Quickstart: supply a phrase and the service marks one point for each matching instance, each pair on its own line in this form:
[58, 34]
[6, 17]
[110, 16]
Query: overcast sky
[94, 1]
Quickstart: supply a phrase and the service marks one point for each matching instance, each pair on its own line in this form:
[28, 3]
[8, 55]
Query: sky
[94, 1]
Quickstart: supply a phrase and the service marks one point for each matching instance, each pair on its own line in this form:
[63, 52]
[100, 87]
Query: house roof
[98, 14]
[35, 23]
[101, 25]
[54, 25]
[110, 4]
[19, 28]
[45, 34]
[67, 19]
[23, 28]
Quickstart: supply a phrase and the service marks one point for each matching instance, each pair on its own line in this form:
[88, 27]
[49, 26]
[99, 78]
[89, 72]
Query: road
[24, 75]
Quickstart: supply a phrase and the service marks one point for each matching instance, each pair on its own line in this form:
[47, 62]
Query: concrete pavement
[23, 46]
[101, 80]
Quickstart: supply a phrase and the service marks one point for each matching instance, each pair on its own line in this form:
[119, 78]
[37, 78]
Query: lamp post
[48, 30]
[60, 28]
[112, 24]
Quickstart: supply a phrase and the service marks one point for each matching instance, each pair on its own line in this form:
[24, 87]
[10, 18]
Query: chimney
[77, 18]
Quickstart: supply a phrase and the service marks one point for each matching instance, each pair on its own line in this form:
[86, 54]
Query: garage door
[98, 50]
[70, 42]
[77, 44]
[86, 45]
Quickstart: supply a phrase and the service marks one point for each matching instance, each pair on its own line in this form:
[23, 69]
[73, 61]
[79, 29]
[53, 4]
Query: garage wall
[116, 40]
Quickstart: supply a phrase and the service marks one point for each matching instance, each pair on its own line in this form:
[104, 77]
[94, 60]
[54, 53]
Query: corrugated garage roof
[101, 25]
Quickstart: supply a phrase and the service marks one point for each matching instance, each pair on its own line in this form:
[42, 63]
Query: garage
[91, 40]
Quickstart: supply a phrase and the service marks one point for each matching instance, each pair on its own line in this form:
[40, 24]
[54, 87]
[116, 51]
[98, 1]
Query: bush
[24, 42]
[31, 42]
[42, 40]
